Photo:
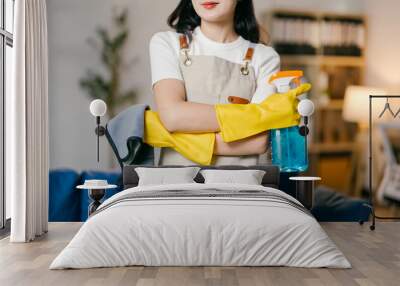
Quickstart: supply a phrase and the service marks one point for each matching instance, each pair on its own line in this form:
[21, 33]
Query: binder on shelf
[294, 34]
[342, 36]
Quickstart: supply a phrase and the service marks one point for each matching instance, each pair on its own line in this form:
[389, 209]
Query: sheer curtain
[27, 124]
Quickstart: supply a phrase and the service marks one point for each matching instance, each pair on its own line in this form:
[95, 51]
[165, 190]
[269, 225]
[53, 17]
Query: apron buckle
[244, 69]
[187, 61]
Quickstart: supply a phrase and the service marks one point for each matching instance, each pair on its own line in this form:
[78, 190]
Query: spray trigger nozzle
[284, 79]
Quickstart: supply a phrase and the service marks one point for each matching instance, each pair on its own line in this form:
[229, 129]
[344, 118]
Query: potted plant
[108, 87]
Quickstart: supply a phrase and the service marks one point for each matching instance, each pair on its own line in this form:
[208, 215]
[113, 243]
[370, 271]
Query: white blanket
[183, 231]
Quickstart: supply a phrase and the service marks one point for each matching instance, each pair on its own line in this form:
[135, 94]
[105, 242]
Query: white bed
[183, 230]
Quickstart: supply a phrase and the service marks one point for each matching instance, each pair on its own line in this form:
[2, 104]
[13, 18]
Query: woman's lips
[209, 5]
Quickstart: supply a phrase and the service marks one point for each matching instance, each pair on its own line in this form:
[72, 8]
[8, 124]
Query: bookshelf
[330, 49]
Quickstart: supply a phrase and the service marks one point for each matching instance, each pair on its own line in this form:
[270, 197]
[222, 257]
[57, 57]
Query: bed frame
[271, 178]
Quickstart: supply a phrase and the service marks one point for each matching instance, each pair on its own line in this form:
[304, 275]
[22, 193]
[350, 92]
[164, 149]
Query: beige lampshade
[356, 103]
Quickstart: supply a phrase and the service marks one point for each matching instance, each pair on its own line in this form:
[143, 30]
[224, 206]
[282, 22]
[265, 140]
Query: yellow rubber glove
[238, 121]
[197, 147]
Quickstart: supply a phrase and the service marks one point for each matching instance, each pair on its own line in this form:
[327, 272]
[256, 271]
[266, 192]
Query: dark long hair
[184, 19]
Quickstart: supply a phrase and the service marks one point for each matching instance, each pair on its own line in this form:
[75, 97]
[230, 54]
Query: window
[6, 44]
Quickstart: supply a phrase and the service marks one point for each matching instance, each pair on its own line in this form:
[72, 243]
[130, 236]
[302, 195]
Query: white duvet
[200, 231]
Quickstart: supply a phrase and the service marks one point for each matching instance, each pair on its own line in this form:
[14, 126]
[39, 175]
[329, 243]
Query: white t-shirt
[164, 57]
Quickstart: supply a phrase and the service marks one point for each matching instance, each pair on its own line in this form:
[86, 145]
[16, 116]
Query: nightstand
[96, 191]
[305, 190]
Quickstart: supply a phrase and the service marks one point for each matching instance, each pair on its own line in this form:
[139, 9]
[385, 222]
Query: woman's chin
[213, 17]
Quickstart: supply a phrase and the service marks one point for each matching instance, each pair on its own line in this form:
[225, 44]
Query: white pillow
[166, 176]
[248, 177]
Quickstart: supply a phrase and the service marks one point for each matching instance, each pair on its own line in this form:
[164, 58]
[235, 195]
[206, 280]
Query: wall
[71, 23]
[383, 59]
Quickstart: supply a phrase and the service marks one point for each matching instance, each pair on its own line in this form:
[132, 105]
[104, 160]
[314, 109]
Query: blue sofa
[64, 199]
[66, 203]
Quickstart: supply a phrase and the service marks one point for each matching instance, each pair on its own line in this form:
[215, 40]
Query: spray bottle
[289, 145]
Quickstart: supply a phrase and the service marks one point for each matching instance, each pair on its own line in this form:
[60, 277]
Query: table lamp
[356, 104]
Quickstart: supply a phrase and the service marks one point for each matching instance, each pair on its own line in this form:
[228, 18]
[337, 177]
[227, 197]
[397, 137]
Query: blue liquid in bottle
[289, 149]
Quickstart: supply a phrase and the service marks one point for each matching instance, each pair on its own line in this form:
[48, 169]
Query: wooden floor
[375, 257]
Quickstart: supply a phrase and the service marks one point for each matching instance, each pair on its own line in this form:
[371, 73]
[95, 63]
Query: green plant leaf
[95, 85]
[121, 19]
[119, 41]
[111, 55]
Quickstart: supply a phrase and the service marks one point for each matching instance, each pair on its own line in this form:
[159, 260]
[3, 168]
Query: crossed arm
[177, 114]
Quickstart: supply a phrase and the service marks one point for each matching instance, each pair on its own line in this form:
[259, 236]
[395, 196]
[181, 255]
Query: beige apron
[212, 80]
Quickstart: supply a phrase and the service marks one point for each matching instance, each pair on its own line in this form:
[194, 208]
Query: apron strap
[184, 41]
[244, 69]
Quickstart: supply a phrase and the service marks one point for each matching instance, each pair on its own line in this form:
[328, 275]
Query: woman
[213, 57]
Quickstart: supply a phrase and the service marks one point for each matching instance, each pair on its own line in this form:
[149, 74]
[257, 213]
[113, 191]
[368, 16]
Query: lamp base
[95, 195]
